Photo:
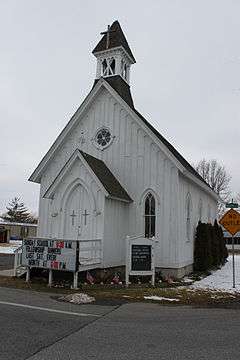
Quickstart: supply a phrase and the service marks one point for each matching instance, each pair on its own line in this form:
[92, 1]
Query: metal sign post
[233, 261]
[231, 222]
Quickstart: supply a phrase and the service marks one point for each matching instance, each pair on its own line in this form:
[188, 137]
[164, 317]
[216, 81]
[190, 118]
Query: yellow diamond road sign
[231, 221]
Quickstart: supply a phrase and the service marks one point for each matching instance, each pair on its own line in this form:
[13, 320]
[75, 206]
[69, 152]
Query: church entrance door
[78, 215]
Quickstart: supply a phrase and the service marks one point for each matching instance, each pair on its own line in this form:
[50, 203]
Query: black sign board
[141, 257]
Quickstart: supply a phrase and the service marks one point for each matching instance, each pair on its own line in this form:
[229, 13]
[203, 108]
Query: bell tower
[114, 56]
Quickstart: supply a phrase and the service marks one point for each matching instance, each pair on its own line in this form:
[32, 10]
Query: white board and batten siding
[116, 225]
[133, 157]
[139, 163]
[203, 207]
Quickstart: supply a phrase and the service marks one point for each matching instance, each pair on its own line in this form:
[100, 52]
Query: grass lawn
[163, 294]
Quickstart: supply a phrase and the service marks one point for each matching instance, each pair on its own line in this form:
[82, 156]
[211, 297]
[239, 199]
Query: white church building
[110, 174]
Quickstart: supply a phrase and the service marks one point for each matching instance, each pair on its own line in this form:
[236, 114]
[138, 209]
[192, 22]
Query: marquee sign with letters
[49, 254]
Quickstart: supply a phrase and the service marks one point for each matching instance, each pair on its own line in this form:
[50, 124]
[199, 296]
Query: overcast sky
[186, 81]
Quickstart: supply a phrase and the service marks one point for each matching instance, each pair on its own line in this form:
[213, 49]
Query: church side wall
[116, 216]
[206, 213]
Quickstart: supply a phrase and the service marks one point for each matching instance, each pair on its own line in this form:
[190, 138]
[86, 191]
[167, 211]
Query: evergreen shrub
[210, 249]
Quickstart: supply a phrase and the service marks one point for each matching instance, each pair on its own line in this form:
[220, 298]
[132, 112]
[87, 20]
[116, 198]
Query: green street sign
[232, 205]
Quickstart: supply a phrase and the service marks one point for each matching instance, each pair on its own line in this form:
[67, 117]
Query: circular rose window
[103, 137]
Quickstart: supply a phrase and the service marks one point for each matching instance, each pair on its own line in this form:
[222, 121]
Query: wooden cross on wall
[108, 32]
[73, 215]
[85, 214]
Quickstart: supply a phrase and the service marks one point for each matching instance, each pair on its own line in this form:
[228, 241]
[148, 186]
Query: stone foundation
[176, 273]
[105, 275]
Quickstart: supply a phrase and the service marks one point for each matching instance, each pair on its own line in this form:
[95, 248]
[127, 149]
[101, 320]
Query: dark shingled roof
[123, 89]
[108, 180]
[116, 39]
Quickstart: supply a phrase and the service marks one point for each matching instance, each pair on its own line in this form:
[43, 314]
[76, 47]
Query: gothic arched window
[112, 66]
[188, 216]
[108, 67]
[200, 205]
[124, 70]
[104, 67]
[209, 214]
[150, 216]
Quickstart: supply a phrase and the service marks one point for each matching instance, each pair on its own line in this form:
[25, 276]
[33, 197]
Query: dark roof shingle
[108, 180]
[116, 39]
[120, 86]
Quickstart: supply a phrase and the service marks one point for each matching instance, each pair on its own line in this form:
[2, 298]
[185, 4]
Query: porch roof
[106, 177]
[110, 185]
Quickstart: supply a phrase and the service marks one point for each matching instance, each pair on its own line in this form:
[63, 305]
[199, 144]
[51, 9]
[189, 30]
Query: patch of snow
[79, 298]
[9, 248]
[16, 242]
[221, 279]
[187, 280]
[159, 298]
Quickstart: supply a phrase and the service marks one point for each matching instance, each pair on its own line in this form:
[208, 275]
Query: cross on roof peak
[108, 35]
[112, 38]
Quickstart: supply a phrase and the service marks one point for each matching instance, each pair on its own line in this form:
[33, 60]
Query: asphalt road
[130, 331]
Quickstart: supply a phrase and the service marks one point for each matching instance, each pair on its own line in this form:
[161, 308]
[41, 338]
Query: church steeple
[114, 56]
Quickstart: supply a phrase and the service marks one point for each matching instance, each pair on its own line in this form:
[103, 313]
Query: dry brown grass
[185, 295]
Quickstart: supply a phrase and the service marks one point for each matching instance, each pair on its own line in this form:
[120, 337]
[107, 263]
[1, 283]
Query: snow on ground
[221, 279]
[9, 248]
[80, 298]
[159, 298]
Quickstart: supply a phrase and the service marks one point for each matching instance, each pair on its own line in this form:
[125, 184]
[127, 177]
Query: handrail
[89, 252]
[134, 237]
[89, 240]
[16, 251]
[57, 239]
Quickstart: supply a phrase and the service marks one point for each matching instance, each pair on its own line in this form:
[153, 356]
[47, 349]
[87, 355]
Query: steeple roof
[116, 39]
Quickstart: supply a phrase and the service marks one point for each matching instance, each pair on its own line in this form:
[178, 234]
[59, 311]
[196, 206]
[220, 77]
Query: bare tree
[238, 197]
[217, 178]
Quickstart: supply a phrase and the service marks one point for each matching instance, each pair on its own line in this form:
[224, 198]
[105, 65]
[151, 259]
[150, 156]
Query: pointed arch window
[188, 216]
[104, 66]
[150, 216]
[108, 67]
[209, 214]
[200, 206]
[124, 69]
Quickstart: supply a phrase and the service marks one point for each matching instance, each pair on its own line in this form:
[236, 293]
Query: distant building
[236, 240]
[16, 231]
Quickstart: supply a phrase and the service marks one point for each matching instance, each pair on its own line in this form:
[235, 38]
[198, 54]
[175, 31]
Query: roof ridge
[171, 148]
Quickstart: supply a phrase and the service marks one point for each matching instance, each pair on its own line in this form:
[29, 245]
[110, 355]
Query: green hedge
[210, 247]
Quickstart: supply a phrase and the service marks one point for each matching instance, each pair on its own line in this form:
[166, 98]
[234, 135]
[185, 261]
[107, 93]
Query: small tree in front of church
[215, 244]
[223, 252]
[210, 249]
[202, 248]
[17, 212]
